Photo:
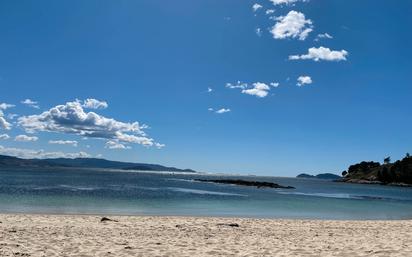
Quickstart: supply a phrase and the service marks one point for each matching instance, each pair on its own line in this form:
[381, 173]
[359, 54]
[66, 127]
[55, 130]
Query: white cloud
[304, 80]
[12, 116]
[259, 89]
[39, 154]
[64, 142]
[159, 146]
[210, 109]
[116, 145]
[256, 7]
[321, 53]
[322, 36]
[25, 138]
[274, 84]
[4, 106]
[92, 103]
[238, 84]
[280, 2]
[258, 32]
[4, 137]
[30, 103]
[70, 118]
[209, 90]
[293, 25]
[223, 110]
[269, 11]
[4, 124]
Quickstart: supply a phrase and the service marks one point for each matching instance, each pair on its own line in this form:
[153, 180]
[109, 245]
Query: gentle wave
[202, 192]
[337, 195]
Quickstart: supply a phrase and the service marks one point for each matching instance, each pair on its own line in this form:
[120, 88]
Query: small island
[398, 173]
[239, 182]
[324, 176]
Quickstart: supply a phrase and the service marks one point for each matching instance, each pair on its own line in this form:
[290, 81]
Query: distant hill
[326, 176]
[397, 173]
[14, 162]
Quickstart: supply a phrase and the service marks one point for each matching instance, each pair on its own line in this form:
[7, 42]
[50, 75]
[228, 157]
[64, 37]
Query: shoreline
[142, 215]
[86, 235]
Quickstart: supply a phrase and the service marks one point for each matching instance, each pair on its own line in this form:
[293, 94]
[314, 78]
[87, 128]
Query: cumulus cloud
[25, 138]
[4, 124]
[70, 118]
[4, 137]
[280, 2]
[64, 142]
[259, 89]
[304, 80]
[293, 25]
[274, 84]
[321, 53]
[40, 154]
[30, 103]
[92, 103]
[256, 7]
[116, 145]
[223, 110]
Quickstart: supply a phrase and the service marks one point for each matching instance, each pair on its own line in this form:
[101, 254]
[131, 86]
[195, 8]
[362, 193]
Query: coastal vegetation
[396, 173]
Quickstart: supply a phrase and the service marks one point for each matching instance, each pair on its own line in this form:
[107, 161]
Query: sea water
[80, 191]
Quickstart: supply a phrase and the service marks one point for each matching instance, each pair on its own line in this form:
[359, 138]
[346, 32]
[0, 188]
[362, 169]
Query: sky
[266, 87]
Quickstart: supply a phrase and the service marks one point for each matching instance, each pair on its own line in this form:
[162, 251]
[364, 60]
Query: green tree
[387, 160]
[344, 173]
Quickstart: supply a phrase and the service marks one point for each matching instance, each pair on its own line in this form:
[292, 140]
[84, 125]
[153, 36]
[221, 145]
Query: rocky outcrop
[239, 182]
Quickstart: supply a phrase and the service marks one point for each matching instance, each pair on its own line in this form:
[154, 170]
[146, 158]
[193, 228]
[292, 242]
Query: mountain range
[14, 162]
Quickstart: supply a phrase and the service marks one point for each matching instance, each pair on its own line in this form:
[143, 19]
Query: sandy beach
[77, 235]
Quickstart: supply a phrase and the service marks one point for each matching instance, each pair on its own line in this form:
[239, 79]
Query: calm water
[103, 192]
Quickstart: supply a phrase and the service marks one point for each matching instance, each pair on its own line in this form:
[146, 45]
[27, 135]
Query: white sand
[61, 235]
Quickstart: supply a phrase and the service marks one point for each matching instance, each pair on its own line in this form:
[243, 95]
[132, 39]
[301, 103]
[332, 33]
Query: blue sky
[152, 62]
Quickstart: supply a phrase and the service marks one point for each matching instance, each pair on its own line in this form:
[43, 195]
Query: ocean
[105, 192]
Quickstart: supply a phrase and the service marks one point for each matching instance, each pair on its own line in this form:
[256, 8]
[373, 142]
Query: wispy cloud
[41, 154]
[219, 111]
[321, 53]
[258, 32]
[323, 36]
[30, 103]
[269, 11]
[4, 137]
[25, 138]
[256, 7]
[280, 2]
[116, 145]
[64, 142]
